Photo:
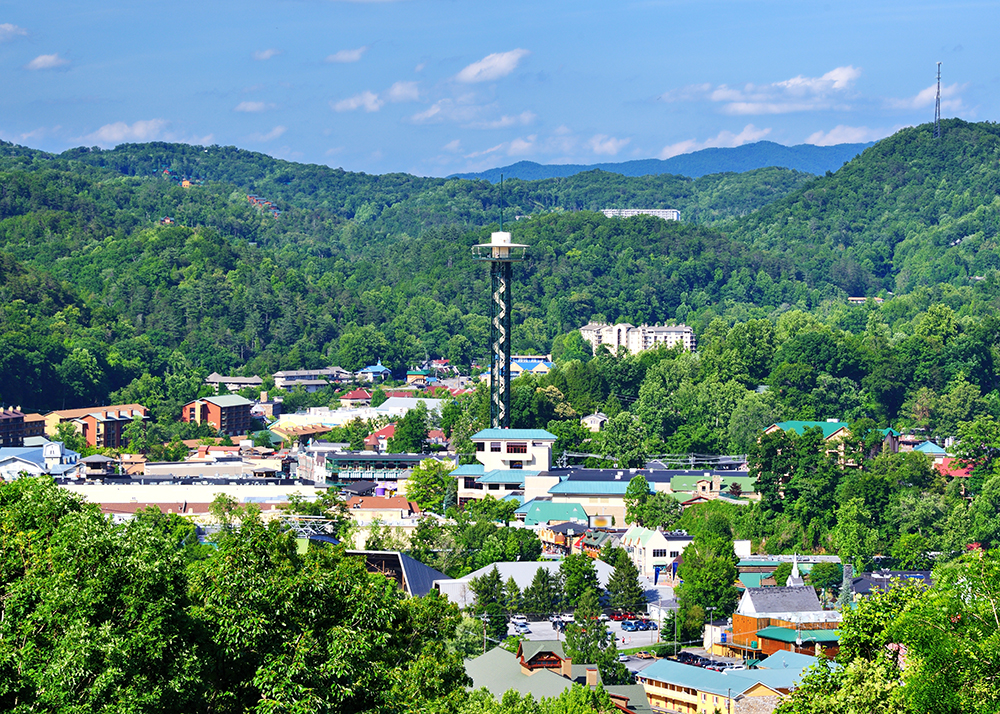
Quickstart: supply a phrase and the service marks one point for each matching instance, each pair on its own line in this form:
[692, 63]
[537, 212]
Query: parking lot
[545, 630]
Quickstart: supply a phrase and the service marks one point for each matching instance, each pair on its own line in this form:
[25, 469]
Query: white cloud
[520, 147]
[950, 99]
[46, 62]
[267, 54]
[403, 92]
[836, 79]
[112, 134]
[798, 94]
[462, 109]
[491, 150]
[253, 107]
[522, 119]
[269, 136]
[724, 139]
[347, 56]
[9, 31]
[367, 100]
[606, 145]
[453, 145]
[842, 134]
[493, 66]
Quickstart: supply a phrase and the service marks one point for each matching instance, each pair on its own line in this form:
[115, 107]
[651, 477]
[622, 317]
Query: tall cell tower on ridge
[501, 255]
[937, 106]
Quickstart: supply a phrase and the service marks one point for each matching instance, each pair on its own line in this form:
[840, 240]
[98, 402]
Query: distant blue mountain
[803, 157]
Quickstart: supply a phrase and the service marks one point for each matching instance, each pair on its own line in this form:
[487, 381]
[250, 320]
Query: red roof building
[379, 440]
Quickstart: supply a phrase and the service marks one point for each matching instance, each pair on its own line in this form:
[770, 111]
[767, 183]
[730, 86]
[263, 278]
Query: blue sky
[433, 87]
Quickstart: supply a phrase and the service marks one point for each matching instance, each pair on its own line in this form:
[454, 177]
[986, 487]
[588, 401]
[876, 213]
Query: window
[494, 487]
[674, 553]
[659, 553]
[480, 446]
[495, 447]
[517, 464]
[517, 448]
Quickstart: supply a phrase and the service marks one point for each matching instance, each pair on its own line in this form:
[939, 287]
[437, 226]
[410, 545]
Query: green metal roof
[542, 512]
[829, 427]
[506, 476]
[689, 482]
[787, 634]
[516, 434]
[228, 400]
[591, 488]
[752, 580]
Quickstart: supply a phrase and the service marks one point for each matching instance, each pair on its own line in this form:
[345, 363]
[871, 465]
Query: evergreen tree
[543, 596]
[511, 596]
[588, 641]
[624, 590]
[578, 576]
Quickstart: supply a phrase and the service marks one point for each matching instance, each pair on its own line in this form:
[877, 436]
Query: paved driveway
[544, 630]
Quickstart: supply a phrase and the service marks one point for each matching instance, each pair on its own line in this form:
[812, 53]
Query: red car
[618, 616]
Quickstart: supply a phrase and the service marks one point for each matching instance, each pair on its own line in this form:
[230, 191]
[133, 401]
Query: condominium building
[102, 427]
[637, 339]
[667, 214]
[230, 413]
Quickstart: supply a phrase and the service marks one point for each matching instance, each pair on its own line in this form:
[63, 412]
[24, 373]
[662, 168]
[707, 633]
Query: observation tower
[501, 254]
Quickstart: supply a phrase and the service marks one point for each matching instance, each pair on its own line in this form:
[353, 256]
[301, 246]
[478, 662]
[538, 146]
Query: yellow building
[677, 687]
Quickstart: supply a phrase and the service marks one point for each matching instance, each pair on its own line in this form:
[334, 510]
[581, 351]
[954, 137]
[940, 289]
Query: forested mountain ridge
[911, 211]
[808, 158]
[401, 202]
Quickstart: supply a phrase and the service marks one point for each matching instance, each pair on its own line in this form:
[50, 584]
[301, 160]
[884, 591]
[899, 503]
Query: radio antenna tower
[937, 106]
[501, 254]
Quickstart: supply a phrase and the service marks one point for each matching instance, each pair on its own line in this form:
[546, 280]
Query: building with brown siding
[11, 427]
[230, 414]
[101, 426]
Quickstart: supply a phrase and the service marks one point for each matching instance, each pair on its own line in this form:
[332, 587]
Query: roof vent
[618, 476]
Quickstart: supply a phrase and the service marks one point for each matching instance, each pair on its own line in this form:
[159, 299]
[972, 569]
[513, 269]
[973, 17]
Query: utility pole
[937, 105]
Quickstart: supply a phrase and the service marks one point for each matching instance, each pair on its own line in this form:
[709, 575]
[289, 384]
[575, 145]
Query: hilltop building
[636, 339]
[667, 214]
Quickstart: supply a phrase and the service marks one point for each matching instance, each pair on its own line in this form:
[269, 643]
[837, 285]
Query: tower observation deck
[501, 254]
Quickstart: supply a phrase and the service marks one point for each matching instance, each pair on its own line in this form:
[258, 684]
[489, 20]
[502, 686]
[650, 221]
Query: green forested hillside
[362, 267]
[912, 211]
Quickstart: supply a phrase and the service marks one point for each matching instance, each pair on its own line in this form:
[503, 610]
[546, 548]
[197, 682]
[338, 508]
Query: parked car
[648, 625]
[623, 658]
[645, 655]
[519, 619]
[522, 628]
[628, 626]
[735, 667]
[567, 617]
[603, 617]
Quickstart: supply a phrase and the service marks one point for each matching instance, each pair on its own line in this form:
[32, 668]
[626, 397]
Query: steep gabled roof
[780, 599]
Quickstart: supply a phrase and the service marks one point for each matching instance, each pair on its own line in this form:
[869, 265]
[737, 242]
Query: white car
[519, 620]
[568, 617]
[604, 618]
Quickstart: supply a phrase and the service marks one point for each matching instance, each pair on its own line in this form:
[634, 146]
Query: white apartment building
[636, 339]
[667, 214]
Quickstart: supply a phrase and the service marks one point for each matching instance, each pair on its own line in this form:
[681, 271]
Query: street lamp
[708, 624]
